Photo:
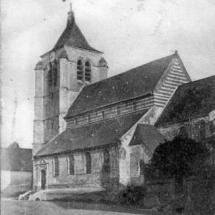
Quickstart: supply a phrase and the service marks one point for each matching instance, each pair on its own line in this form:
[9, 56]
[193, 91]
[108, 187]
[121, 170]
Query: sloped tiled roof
[15, 158]
[147, 135]
[136, 82]
[91, 135]
[192, 100]
[72, 36]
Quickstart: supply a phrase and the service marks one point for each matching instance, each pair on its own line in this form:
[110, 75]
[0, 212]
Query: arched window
[88, 162]
[183, 133]
[56, 167]
[88, 71]
[106, 161]
[55, 73]
[202, 130]
[80, 70]
[71, 165]
[212, 127]
[50, 78]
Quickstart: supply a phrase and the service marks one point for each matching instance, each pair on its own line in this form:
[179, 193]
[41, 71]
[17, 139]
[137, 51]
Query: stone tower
[59, 76]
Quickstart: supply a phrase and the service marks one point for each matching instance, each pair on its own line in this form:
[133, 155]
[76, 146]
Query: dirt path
[13, 207]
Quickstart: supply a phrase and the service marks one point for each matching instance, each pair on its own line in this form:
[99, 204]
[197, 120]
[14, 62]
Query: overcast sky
[130, 33]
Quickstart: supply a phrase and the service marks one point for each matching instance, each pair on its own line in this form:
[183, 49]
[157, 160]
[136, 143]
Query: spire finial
[71, 17]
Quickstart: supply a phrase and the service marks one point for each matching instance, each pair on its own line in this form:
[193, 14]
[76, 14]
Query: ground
[14, 207]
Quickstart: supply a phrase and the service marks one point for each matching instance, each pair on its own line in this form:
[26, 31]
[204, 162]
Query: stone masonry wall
[97, 177]
[171, 130]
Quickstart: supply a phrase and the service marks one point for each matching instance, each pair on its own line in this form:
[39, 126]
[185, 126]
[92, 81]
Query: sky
[130, 33]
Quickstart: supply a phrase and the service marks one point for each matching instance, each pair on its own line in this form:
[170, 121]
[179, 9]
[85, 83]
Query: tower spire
[70, 16]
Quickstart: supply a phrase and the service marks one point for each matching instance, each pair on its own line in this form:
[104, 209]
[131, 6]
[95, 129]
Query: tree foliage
[175, 159]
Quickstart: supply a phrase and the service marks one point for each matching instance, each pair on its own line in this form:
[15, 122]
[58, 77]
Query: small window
[71, 165]
[183, 132]
[106, 161]
[88, 118]
[87, 71]
[88, 163]
[118, 110]
[202, 130]
[134, 105]
[103, 114]
[80, 70]
[56, 167]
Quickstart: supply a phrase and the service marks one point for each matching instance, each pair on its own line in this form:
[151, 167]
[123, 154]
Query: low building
[191, 112]
[16, 169]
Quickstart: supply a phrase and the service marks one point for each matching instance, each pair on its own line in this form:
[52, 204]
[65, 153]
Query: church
[91, 130]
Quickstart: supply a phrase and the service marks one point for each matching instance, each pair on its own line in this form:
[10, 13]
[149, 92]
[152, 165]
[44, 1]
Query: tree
[174, 159]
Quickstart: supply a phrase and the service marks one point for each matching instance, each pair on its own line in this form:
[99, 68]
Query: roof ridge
[122, 73]
[193, 82]
[133, 83]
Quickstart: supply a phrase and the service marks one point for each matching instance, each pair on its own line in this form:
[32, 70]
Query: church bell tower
[59, 76]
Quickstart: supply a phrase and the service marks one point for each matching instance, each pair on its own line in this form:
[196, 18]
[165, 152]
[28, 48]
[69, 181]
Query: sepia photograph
[107, 107]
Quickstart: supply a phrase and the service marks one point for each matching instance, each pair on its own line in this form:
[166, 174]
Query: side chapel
[91, 130]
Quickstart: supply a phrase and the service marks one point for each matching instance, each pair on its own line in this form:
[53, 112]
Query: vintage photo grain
[107, 107]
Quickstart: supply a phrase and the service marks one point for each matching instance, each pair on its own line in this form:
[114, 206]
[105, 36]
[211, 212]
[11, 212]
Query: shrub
[131, 195]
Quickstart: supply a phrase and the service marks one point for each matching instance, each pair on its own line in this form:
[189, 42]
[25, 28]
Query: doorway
[43, 179]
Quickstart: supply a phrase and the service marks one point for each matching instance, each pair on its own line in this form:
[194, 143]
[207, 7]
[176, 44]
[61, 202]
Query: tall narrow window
[212, 127]
[55, 73]
[106, 161]
[80, 70]
[183, 132]
[88, 162]
[56, 167]
[202, 130]
[50, 78]
[71, 165]
[87, 71]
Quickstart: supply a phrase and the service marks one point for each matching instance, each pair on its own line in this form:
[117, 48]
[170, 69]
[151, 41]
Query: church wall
[97, 178]
[112, 111]
[169, 131]
[127, 153]
[174, 76]
[74, 54]
[38, 111]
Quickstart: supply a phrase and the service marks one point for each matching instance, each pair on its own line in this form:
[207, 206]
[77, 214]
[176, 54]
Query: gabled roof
[148, 136]
[91, 135]
[134, 83]
[72, 36]
[15, 158]
[192, 100]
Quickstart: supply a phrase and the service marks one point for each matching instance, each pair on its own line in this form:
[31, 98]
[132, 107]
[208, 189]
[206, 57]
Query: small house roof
[14, 158]
[191, 100]
[147, 135]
